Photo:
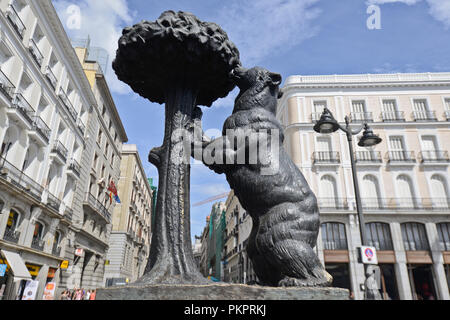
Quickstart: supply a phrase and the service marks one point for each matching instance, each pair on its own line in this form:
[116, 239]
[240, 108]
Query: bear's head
[259, 87]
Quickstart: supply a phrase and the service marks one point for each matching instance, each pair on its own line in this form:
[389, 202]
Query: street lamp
[328, 124]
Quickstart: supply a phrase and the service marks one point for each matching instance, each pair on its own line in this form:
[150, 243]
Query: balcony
[6, 86]
[35, 52]
[21, 111]
[11, 236]
[332, 203]
[56, 251]
[315, 116]
[51, 77]
[361, 117]
[447, 115]
[326, 157]
[38, 244]
[81, 126]
[16, 177]
[60, 152]
[368, 157]
[400, 157]
[96, 206]
[40, 131]
[74, 169]
[53, 202]
[68, 213]
[393, 116]
[15, 20]
[424, 116]
[406, 203]
[434, 156]
[63, 96]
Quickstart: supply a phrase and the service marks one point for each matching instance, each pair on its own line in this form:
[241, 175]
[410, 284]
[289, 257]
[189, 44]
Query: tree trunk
[171, 259]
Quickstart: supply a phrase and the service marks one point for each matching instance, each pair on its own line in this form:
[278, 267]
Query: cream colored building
[404, 181]
[129, 244]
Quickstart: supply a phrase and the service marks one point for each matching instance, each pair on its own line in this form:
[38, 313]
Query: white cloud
[260, 28]
[439, 9]
[102, 21]
[408, 2]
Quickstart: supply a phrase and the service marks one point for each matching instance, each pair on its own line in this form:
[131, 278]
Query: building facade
[404, 181]
[45, 106]
[129, 244]
[215, 241]
[236, 264]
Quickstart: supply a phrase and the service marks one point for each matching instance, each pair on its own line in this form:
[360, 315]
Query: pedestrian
[64, 295]
[87, 295]
[78, 294]
[93, 294]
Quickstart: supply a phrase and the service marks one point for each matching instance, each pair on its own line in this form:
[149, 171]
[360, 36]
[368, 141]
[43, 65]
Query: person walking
[87, 295]
[93, 294]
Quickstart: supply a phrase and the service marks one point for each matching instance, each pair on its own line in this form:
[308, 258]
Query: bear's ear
[275, 78]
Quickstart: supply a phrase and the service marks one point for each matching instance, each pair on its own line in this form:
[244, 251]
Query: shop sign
[30, 290]
[79, 252]
[369, 255]
[3, 269]
[64, 264]
[49, 291]
[51, 273]
[33, 269]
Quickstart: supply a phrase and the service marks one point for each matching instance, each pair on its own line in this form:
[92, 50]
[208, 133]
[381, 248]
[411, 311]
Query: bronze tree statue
[182, 62]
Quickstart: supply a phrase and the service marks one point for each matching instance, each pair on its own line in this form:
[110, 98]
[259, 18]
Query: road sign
[369, 255]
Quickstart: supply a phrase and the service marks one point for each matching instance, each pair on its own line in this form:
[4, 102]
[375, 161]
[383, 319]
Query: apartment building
[45, 104]
[404, 181]
[129, 244]
[237, 265]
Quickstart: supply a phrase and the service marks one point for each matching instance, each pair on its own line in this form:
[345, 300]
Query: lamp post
[328, 124]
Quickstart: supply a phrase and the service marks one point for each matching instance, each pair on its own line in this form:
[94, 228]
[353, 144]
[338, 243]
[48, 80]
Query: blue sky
[290, 37]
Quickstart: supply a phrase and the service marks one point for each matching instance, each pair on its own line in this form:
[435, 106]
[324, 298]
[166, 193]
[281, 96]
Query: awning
[17, 265]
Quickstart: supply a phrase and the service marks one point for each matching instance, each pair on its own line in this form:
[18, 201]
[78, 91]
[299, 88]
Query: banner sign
[49, 291]
[3, 269]
[30, 290]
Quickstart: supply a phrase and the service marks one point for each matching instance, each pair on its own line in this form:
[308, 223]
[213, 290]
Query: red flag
[112, 188]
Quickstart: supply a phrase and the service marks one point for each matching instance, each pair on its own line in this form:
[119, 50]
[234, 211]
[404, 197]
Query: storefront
[15, 277]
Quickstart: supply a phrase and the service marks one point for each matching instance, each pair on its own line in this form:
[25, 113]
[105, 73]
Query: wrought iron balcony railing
[51, 77]
[6, 86]
[68, 104]
[326, 157]
[11, 236]
[81, 125]
[53, 202]
[35, 52]
[400, 156]
[361, 117]
[332, 203]
[75, 167]
[15, 20]
[22, 105]
[18, 178]
[41, 127]
[434, 156]
[92, 202]
[393, 116]
[60, 149]
[38, 244]
[56, 250]
[368, 156]
[424, 116]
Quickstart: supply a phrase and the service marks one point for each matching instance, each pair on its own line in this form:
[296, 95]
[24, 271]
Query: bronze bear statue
[283, 208]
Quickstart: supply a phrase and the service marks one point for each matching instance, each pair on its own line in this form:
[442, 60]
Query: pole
[362, 225]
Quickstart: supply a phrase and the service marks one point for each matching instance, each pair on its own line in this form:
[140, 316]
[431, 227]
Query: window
[405, 192]
[444, 236]
[379, 236]
[38, 231]
[334, 236]
[319, 106]
[439, 191]
[328, 192]
[13, 220]
[370, 192]
[414, 237]
[99, 137]
[390, 111]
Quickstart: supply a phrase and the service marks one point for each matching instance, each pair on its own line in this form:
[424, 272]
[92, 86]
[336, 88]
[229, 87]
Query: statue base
[219, 292]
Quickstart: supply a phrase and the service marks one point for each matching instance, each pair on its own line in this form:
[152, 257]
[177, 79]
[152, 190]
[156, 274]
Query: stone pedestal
[218, 292]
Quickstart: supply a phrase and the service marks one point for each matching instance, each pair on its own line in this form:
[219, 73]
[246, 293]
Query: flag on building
[112, 188]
